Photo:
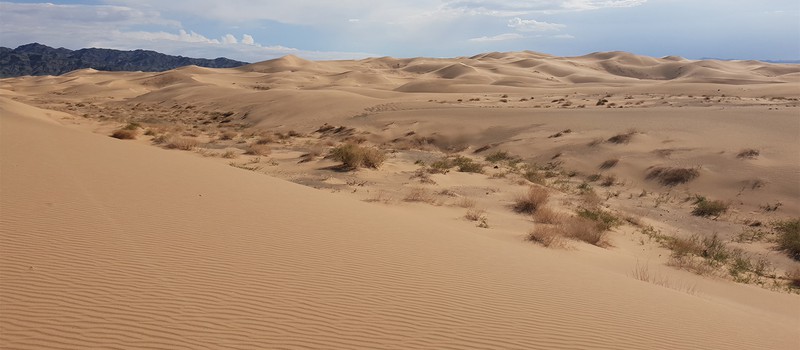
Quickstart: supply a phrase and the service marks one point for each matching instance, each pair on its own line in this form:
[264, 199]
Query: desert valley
[501, 201]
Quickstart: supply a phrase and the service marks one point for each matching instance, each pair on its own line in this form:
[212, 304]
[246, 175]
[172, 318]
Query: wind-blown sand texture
[114, 244]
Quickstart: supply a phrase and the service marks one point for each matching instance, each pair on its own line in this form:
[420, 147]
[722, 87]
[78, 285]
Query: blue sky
[252, 30]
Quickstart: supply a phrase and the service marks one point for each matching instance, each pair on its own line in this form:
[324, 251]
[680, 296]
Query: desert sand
[223, 225]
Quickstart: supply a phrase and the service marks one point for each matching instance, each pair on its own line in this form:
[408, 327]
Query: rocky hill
[38, 59]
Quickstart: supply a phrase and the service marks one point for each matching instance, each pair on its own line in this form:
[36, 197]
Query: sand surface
[117, 244]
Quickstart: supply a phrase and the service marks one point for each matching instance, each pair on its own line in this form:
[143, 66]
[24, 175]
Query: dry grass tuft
[531, 200]
[548, 236]
[257, 150]
[585, 230]
[475, 214]
[672, 176]
[545, 215]
[420, 194]
[354, 156]
[180, 143]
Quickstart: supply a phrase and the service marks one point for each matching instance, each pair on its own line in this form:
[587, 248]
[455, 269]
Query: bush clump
[707, 208]
[672, 176]
[354, 156]
[531, 200]
[789, 237]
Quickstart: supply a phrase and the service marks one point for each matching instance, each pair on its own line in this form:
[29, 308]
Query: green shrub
[789, 237]
[706, 208]
[605, 220]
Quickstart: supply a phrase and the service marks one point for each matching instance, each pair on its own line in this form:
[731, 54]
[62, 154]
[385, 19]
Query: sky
[257, 30]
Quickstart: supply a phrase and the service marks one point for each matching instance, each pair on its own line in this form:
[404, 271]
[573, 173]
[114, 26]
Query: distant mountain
[767, 61]
[38, 59]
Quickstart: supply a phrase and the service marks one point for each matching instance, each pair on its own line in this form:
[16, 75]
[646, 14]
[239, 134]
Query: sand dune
[117, 244]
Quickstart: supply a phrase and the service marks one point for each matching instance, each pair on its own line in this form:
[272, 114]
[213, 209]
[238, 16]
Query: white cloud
[500, 37]
[120, 27]
[229, 39]
[598, 4]
[532, 25]
[564, 36]
[248, 39]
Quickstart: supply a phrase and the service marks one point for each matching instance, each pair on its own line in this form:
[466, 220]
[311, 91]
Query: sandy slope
[116, 244]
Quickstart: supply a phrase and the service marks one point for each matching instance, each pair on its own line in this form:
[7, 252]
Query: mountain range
[38, 59]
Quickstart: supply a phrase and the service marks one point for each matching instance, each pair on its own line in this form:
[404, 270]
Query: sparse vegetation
[548, 236]
[672, 176]
[534, 176]
[354, 156]
[500, 156]
[545, 215]
[531, 200]
[748, 154]
[585, 230]
[420, 194]
[789, 237]
[709, 208]
[180, 143]
[604, 220]
[608, 164]
[475, 214]
[258, 150]
[464, 164]
[622, 138]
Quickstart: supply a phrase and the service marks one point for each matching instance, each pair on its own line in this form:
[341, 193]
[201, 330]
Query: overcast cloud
[254, 30]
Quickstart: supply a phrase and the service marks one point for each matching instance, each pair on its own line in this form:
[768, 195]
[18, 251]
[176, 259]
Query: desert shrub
[748, 154]
[354, 156]
[228, 135]
[499, 156]
[420, 194]
[534, 176]
[706, 208]
[789, 237]
[584, 230]
[257, 150]
[608, 181]
[548, 236]
[531, 200]
[715, 250]
[608, 164]
[465, 202]
[180, 143]
[622, 138]
[132, 126]
[124, 134]
[594, 177]
[475, 214]
[604, 220]
[672, 176]
[684, 246]
[545, 215]
[467, 165]
[229, 154]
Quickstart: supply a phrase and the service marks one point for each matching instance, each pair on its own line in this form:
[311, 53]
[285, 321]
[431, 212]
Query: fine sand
[251, 238]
